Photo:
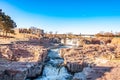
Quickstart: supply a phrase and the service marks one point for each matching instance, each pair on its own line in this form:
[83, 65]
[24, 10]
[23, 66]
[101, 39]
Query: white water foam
[53, 69]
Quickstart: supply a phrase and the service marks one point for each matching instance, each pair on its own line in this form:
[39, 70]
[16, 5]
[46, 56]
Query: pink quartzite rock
[75, 58]
[21, 60]
[72, 59]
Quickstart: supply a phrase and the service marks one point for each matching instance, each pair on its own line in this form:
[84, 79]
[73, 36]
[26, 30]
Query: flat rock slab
[21, 60]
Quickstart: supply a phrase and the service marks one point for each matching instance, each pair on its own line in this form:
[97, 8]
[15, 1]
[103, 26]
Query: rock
[10, 74]
[75, 58]
[74, 67]
[22, 60]
[72, 59]
[115, 41]
[79, 76]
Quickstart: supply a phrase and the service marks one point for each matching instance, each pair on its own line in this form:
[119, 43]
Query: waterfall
[53, 70]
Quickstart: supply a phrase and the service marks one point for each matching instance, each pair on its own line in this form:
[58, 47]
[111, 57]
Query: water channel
[53, 69]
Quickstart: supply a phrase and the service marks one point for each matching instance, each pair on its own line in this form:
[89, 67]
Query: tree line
[108, 34]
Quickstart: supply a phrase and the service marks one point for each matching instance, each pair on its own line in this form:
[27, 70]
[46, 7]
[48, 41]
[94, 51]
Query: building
[28, 33]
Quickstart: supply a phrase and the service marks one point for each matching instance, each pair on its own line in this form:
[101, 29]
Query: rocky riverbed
[53, 69]
[92, 62]
[27, 60]
[21, 60]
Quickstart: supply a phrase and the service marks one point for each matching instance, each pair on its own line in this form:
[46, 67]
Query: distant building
[36, 30]
[28, 33]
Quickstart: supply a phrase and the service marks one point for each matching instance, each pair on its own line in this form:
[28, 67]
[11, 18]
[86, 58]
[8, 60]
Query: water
[54, 70]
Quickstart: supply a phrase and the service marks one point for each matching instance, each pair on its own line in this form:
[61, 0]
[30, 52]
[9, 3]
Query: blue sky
[63, 16]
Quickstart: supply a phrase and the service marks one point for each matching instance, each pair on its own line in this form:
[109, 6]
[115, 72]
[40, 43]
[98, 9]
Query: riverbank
[53, 69]
[22, 59]
[93, 62]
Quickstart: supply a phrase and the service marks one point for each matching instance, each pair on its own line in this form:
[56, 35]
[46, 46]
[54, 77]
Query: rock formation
[72, 59]
[21, 60]
[76, 58]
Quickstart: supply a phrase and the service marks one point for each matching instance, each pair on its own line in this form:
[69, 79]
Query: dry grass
[116, 41]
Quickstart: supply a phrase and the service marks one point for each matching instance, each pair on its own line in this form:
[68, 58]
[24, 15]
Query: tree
[108, 34]
[99, 35]
[6, 23]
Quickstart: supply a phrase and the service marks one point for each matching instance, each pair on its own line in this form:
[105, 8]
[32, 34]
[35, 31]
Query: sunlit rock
[22, 60]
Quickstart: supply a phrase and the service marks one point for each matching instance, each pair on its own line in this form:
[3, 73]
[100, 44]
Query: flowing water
[53, 70]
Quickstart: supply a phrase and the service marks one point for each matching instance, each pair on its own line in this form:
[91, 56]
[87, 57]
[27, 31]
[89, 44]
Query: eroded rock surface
[75, 58]
[21, 60]
[96, 62]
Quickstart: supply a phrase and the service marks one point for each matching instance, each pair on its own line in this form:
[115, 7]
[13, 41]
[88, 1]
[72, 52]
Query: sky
[65, 16]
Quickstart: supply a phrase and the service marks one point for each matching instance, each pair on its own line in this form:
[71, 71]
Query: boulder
[22, 60]
[72, 59]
